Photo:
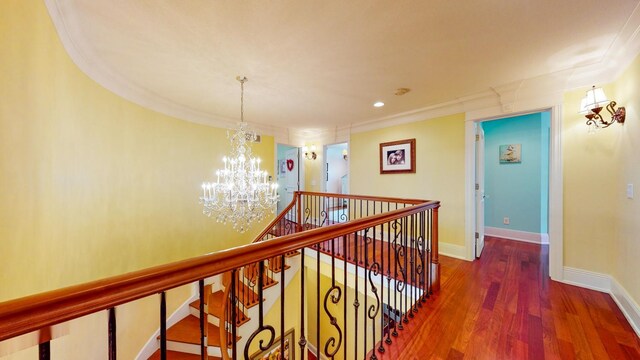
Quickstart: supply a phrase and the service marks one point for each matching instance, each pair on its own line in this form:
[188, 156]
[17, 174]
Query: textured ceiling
[322, 64]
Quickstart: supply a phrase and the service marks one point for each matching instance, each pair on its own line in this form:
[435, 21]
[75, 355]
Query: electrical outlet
[506, 221]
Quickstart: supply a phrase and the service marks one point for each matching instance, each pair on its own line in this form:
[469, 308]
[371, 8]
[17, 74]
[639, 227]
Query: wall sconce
[310, 155]
[591, 106]
[345, 154]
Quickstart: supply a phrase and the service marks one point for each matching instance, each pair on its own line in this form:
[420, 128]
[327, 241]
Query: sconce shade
[595, 98]
[583, 106]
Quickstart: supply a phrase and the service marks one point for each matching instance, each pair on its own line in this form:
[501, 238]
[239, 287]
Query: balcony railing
[366, 265]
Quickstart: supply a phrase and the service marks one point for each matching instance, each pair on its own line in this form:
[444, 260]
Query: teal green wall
[519, 190]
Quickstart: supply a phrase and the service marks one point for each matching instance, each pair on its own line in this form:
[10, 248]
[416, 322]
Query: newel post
[434, 250]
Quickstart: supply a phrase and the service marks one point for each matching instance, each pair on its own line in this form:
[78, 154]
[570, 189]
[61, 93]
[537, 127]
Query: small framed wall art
[510, 154]
[398, 157]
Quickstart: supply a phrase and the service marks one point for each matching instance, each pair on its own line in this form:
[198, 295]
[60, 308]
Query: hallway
[504, 306]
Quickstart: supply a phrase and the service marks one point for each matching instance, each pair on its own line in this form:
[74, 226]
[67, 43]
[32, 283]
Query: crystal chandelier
[242, 193]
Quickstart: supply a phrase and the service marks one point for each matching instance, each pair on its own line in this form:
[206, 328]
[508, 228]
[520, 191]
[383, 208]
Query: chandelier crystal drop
[242, 193]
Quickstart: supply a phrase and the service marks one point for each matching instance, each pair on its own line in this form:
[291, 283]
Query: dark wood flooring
[504, 306]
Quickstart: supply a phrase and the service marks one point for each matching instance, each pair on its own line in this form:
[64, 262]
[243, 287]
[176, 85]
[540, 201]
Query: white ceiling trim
[143, 97]
[515, 97]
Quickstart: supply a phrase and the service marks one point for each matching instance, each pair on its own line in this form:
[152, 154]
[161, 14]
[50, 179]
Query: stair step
[247, 296]
[216, 298]
[187, 331]
[176, 355]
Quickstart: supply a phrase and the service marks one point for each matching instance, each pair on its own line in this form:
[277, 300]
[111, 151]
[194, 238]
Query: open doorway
[336, 172]
[512, 179]
[289, 171]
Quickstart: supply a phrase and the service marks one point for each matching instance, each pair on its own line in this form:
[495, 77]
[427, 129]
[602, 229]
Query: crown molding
[120, 86]
[501, 99]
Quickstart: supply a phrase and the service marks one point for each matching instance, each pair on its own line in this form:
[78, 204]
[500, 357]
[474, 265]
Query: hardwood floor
[504, 306]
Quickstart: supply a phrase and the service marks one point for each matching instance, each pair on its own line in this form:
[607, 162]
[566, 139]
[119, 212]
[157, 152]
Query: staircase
[183, 338]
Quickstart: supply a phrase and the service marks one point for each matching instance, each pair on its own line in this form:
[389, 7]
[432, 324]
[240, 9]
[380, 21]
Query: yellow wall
[600, 224]
[92, 185]
[589, 161]
[627, 247]
[439, 168]
[313, 176]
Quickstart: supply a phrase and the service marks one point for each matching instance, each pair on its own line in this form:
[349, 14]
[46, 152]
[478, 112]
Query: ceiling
[322, 64]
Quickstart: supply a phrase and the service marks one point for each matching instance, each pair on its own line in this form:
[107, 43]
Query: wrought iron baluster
[366, 270]
[395, 275]
[405, 238]
[388, 340]
[334, 294]
[163, 326]
[303, 340]
[112, 334]
[373, 310]
[234, 315]
[318, 303]
[356, 303]
[430, 251]
[282, 303]
[261, 326]
[44, 350]
[203, 336]
[381, 347]
[345, 245]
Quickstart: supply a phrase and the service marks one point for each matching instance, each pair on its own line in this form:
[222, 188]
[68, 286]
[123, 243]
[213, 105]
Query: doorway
[512, 179]
[336, 173]
[288, 169]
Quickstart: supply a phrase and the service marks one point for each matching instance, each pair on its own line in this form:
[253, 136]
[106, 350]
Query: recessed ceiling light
[378, 104]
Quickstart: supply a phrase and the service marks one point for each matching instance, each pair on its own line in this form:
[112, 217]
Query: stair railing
[389, 244]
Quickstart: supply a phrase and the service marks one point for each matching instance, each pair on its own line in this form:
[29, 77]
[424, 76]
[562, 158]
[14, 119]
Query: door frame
[479, 191]
[324, 163]
[556, 265]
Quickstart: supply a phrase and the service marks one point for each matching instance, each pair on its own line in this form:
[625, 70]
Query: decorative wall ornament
[398, 157]
[510, 153]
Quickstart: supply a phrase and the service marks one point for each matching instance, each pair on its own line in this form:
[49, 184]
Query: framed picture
[398, 157]
[510, 153]
[274, 351]
[282, 166]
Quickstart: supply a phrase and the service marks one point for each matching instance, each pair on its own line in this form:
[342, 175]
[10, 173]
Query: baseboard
[587, 279]
[605, 283]
[451, 250]
[536, 238]
[629, 308]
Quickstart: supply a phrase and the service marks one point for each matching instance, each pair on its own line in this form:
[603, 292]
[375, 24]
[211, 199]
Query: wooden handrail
[276, 220]
[361, 197]
[24, 315]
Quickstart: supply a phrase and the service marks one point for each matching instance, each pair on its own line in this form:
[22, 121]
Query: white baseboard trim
[587, 279]
[452, 250]
[629, 308]
[536, 238]
[605, 283]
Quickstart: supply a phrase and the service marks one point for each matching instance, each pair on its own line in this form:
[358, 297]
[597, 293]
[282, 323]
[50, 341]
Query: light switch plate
[629, 191]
